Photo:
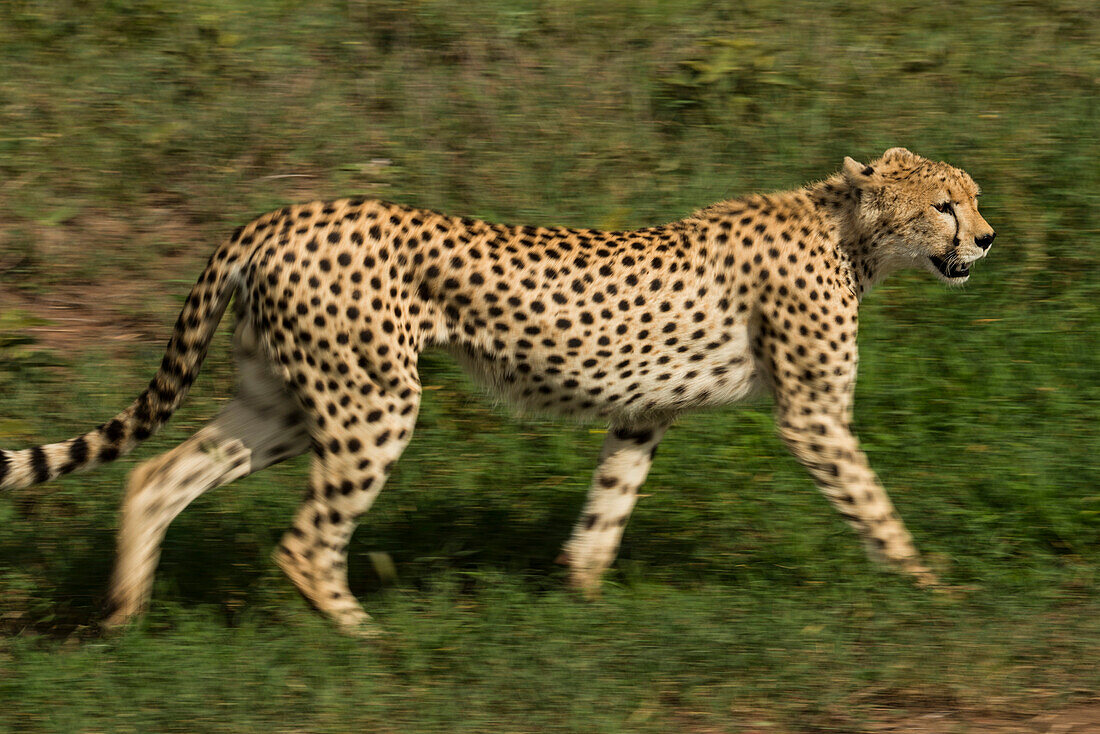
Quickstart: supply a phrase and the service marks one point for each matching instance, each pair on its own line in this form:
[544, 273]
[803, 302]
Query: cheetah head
[916, 212]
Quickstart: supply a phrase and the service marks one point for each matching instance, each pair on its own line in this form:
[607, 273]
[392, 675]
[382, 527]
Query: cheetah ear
[902, 153]
[856, 173]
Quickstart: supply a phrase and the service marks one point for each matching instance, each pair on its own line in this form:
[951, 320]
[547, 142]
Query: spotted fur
[335, 302]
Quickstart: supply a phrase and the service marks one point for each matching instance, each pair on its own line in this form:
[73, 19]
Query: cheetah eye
[944, 207]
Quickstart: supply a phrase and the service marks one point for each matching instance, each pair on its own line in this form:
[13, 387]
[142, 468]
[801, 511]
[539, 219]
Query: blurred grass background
[136, 133]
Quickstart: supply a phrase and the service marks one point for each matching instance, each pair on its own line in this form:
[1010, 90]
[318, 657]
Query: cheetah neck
[837, 203]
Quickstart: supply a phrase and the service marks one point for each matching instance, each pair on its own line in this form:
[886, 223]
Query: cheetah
[334, 301]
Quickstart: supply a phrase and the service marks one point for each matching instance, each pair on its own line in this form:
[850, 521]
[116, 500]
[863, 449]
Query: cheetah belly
[728, 374]
[658, 382]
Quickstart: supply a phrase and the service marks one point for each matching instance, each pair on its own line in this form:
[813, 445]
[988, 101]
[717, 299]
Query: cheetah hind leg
[246, 436]
[625, 459]
[347, 474]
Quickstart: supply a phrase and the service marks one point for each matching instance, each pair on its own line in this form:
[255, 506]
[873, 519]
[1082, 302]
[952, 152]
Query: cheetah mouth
[950, 268]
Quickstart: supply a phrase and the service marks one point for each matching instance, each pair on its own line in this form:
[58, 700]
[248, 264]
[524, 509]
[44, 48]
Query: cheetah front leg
[825, 445]
[624, 462]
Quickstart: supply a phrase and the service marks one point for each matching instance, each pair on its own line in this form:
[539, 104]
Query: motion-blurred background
[135, 133]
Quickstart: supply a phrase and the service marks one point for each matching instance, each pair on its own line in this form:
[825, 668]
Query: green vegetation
[135, 133]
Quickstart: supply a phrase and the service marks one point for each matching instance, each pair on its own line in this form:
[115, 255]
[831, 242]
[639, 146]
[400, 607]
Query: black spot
[3, 465]
[640, 437]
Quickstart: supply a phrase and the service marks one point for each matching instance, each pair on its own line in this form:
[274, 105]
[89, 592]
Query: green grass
[135, 133]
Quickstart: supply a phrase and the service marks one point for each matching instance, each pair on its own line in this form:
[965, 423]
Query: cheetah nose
[985, 240]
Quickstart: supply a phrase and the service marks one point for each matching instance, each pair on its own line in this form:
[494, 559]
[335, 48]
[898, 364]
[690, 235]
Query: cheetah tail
[191, 337]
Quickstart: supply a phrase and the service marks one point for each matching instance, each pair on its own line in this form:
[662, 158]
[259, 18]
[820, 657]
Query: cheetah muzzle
[949, 267]
[335, 301]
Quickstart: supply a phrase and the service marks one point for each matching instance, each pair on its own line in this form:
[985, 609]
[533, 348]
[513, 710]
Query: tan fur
[335, 302]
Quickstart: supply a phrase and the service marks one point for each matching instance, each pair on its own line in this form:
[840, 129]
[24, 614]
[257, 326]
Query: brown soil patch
[118, 308]
[81, 319]
[1026, 717]
[1077, 719]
